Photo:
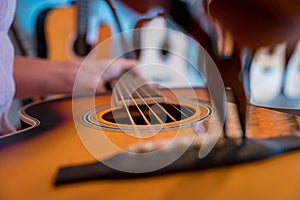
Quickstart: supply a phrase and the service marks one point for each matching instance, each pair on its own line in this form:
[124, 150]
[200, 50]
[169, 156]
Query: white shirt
[7, 87]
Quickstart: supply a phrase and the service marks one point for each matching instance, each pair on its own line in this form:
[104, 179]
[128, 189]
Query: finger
[132, 66]
[128, 65]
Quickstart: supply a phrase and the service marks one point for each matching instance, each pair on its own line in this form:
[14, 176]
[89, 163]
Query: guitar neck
[81, 47]
[82, 16]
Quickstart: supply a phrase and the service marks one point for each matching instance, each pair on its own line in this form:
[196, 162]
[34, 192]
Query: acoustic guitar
[30, 158]
[70, 42]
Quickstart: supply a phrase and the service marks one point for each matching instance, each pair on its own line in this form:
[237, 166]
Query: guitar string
[113, 83]
[118, 86]
[139, 82]
[187, 108]
[128, 113]
[162, 108]
[139, 138]
[200, 110]
[145, 102]
[136, 105]
[151, 129]
[162, 122]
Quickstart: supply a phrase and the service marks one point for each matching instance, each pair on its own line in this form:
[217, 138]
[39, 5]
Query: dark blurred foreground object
[253, 23]
[257, 23]
[229, 66]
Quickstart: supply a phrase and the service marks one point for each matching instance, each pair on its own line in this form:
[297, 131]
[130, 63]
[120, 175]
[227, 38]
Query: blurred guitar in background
[66, 32]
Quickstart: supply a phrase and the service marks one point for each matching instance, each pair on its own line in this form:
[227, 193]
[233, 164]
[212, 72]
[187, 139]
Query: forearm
[40, 77]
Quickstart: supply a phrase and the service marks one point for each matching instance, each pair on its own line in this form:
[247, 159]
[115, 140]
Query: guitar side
[35, 118]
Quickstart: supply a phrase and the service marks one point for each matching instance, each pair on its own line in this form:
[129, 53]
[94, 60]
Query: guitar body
[30, 160]
[60, 33]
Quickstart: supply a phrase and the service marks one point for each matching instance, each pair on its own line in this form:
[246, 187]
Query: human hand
[93, 75]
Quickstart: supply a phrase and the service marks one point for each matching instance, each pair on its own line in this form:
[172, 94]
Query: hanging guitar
[158, 46]
[73, 23]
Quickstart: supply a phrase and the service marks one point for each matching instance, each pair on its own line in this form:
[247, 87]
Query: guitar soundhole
[165, 114]
[152, 114]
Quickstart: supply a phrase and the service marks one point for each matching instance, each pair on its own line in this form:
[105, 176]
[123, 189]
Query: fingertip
[133, 63]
